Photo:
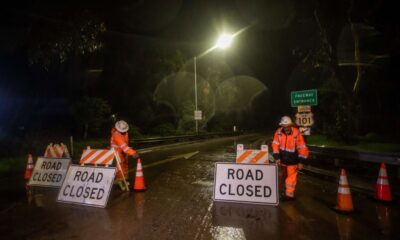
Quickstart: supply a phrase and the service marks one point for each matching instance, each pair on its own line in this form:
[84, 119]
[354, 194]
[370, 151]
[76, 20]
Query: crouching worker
[120, 142]
[289, 152]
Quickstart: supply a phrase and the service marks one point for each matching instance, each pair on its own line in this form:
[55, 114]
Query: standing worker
[289, 152]
[120, 142]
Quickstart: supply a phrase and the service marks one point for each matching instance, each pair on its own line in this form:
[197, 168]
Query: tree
[91, 113]
[53, 40]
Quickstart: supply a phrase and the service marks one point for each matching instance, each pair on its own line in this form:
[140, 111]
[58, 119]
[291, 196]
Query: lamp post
[224, 41]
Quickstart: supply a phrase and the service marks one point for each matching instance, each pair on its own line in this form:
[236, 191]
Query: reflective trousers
[289, 174]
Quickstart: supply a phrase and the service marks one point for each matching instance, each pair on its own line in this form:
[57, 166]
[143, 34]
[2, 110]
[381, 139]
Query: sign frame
[83, 203]
[251, 166]
[311, 100]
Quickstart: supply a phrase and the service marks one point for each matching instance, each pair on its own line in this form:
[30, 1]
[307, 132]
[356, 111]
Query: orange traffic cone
[29, 168]
[344, 199]
[139, 179]
[382, 189]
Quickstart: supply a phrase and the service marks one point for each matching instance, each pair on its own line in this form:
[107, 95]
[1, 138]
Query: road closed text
[49, 172]
[44, 176]
[245, 183]
[85, 191]
[88, 185]
[243, 189]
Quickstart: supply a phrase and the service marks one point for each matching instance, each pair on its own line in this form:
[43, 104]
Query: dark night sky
[267, 50]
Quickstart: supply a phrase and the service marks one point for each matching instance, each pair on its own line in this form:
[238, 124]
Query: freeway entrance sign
[303, 98]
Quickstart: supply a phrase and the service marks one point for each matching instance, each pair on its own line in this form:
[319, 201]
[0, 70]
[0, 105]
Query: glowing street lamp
[223, 42]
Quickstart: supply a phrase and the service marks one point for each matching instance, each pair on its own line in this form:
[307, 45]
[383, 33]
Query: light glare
[224, 41]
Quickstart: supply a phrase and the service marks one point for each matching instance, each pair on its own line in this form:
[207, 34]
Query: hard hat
[122, 126]
[285, 121]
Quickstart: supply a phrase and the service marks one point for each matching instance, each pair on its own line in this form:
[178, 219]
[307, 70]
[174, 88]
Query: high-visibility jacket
[290, 148]
[119, 141]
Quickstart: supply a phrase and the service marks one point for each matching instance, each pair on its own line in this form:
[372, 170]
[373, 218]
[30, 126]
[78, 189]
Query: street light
[223, 42]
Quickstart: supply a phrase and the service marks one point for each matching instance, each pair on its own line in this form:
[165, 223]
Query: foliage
[186, 122]
[53, 40]
[92, 114]
[165, 129]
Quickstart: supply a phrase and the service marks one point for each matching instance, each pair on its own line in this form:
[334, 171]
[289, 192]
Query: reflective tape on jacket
[120, 141]
[289, 142]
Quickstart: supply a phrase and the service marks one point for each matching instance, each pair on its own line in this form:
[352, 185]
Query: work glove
[135, 156]
[300, 166]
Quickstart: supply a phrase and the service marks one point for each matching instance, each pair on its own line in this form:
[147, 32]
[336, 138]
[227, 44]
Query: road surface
[178, 205]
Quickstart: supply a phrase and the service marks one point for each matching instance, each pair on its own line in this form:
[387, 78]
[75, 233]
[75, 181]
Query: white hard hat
[122, 126]
[285, 121]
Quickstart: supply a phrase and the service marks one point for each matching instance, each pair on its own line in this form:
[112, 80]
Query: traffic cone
[382, 189]
[344, 199]
[139, 179]
[29, 168]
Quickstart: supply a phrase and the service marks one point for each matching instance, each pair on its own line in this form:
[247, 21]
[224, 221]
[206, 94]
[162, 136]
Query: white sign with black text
[87, 185]
[198, 115]
[49, 172]
[247, 183]
[305, 119]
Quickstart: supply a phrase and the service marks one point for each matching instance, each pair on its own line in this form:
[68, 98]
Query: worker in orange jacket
[289, 152]
[120, 142]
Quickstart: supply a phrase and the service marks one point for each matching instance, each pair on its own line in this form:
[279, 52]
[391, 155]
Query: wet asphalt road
[178, 205]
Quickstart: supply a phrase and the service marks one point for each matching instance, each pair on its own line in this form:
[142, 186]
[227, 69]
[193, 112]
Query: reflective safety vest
[119, 141]
[290, 149]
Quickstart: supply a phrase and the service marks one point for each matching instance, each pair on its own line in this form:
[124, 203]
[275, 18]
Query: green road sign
[304, 98]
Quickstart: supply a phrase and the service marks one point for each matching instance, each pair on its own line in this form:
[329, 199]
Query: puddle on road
[253, 221]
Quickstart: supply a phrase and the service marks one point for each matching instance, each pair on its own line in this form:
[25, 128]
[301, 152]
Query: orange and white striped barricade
[90, 182]
[57, 151]
[252, 156]
[102, 157]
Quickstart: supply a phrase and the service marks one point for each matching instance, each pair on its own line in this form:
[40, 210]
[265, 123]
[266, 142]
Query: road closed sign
[246, 183]
[49, 172]
[87, 185]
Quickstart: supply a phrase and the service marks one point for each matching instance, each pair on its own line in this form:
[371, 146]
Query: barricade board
[246, 183]
[251, 155]
[49, 172]
[57, 151]
[87, 185]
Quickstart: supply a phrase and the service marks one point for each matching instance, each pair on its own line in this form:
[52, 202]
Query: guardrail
[180, 138]
[378, 157]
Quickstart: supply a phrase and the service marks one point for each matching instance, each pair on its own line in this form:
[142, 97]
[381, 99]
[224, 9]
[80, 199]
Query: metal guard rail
[389, 158]
[377, 157]
[180, 138]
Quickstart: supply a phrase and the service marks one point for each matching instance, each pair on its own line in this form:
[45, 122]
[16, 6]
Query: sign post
[246, 183]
